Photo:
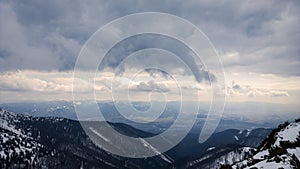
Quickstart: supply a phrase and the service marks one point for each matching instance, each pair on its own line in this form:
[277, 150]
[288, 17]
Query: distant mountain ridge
[52, 142]
[65, 109]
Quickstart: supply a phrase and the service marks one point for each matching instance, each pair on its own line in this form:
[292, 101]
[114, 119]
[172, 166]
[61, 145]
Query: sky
[257, 42]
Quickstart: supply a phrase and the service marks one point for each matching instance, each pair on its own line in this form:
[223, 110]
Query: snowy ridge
[280, 150]
[290, 133]
[15, 143]
[231, 157]
[8, 121]
[213, 161]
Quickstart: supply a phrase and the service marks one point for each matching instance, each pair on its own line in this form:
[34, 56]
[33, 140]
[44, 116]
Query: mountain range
[54, 142]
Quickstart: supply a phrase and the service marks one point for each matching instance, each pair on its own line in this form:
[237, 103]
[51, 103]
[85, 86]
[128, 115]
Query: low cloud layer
[250, 91]
[150, 86]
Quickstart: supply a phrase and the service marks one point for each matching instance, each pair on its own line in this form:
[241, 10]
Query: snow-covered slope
[17, 147]
[50, 142]
[290, 133]
[210, 161]
[237, 155]
[280, 150]
[216, 157]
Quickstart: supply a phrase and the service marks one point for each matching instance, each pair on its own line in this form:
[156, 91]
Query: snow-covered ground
[290, 133]
[277, 156]
[13, 141]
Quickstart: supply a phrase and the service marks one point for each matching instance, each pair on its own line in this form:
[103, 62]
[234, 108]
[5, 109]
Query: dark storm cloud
[183, 57]
[47, 35]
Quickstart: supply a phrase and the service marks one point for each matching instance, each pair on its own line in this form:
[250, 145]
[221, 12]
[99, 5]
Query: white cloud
[29, 81]
[251, 91]
[28, 84]
[150, 86]
[47, 82]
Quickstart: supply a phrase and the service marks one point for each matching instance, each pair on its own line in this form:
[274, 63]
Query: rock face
[280, 150]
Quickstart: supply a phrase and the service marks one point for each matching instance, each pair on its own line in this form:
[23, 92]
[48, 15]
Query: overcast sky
[257, 41]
